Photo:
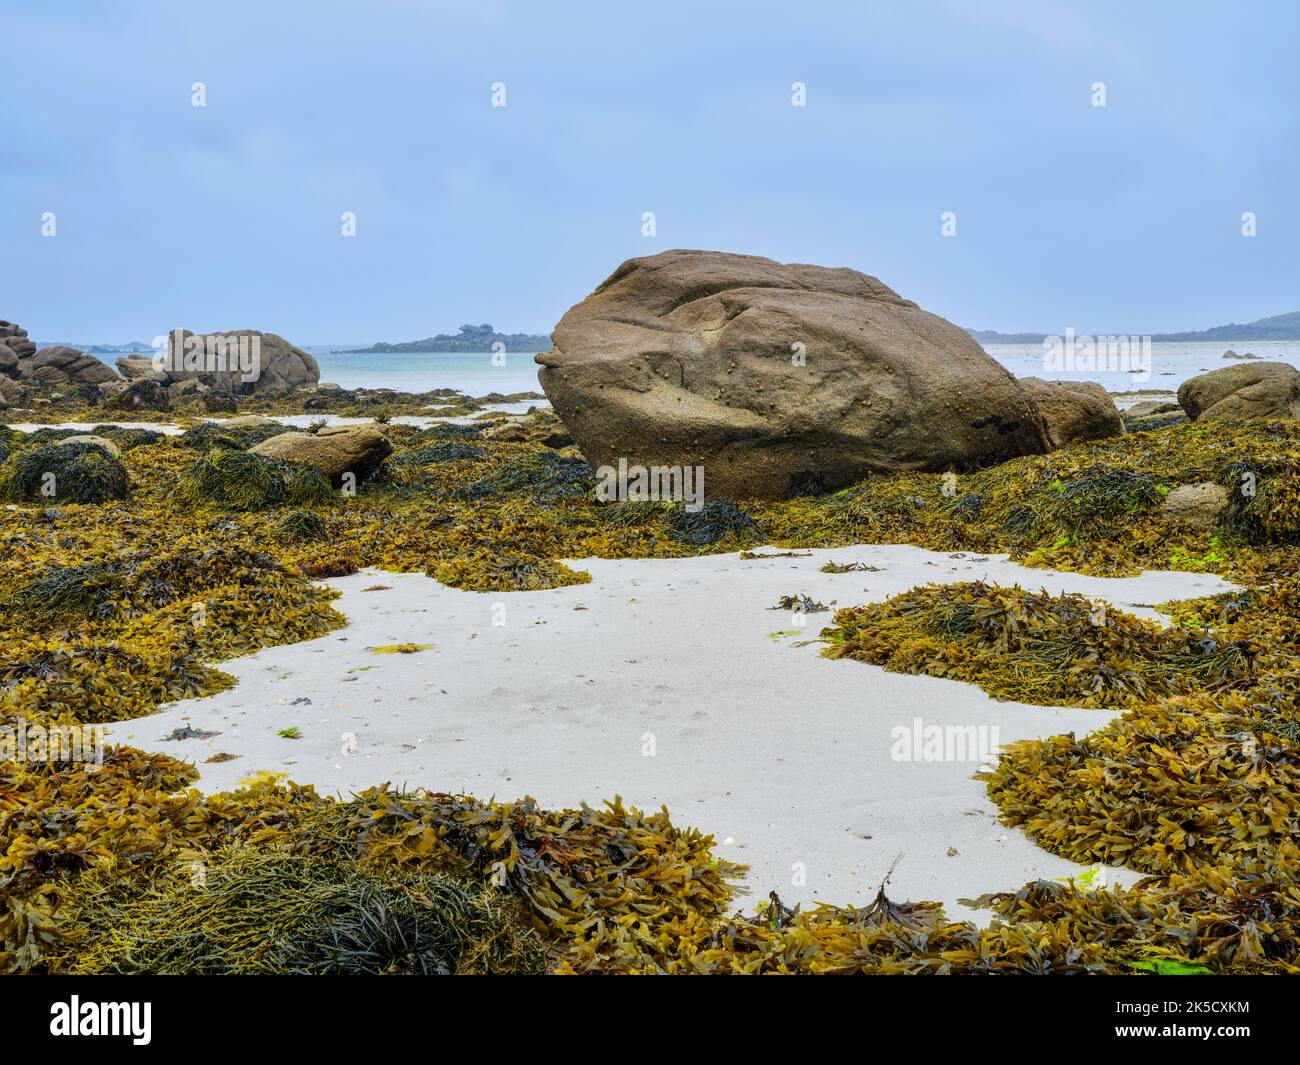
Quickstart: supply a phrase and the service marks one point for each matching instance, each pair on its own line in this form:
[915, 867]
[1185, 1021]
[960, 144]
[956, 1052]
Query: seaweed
[716, 520]
[243, 481]
[262, 912]
[488, 570]
[66, 473]
[1037, 648]
[301, 525]
[432, 454]
[545, 476]
[1196, 783]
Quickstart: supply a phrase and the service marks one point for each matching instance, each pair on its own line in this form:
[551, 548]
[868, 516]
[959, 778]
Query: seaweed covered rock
[1254, 390]
[776, 378]
[1074, 410]
[89, 438]
[436, 454]
[1150, 414]
[245, 480]
[76, 472]
[142, 394]
[544, 475]
[301, 525]
[235, 433]
[542, 427]
[335, 450]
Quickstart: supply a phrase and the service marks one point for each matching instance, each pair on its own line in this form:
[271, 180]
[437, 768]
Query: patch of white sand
[667, 682]
[299, 421]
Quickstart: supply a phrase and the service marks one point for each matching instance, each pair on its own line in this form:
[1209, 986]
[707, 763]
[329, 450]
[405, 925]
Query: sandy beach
[784, 756]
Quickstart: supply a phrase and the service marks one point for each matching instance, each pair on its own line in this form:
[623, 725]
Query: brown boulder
[776, 378]
[540, 428]
[14, 337]
[145, 393]
[334, 450]
[1198, 505]
[1248, 390]
[139, 367]
[61, 366]
[90, 438]
[1074, 410]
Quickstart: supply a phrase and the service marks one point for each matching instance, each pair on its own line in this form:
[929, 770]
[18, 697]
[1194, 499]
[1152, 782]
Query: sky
[1120, 218]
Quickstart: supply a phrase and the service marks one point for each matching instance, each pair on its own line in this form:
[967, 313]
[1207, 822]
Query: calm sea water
[1171, 365]
[472, 374]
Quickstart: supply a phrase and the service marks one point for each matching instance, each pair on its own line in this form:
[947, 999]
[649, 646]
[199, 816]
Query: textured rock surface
[1074, 410]
[61, 366]
[334, 450]
[776, 378]
[281, 367]
[1196, 504]
[1248, 390]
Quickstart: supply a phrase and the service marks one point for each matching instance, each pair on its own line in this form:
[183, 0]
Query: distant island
[99, 349]
[470, 338]
[1279, 327]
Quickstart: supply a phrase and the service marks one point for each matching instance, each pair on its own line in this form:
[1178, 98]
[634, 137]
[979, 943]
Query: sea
[1171, 363]
[475, 374]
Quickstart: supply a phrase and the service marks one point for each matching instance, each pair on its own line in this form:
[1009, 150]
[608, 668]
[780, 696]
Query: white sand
[756, 740]
[300, 421]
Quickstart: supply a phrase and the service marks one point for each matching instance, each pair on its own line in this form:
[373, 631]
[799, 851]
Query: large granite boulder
[239, 361]
[776, 378]
[139, 367]
[61, 366]
[14, 337]
[334, 450]
[1248, 390]
[1074, 410]
[11, 391]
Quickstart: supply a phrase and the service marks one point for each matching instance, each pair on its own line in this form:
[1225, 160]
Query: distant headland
[470, 338]
[1279, 327]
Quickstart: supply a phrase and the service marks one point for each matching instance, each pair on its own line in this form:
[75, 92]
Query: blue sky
[1124, 218]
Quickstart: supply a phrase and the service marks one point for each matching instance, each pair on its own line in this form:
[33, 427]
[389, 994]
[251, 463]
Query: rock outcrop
[1245, 391]
[1074, 410]
[62, 366]
[542, 427]
[776, 379]
[239, 361]
[14, 337]
[334, 450]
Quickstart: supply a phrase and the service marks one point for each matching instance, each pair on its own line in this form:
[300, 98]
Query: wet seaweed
[65, 473]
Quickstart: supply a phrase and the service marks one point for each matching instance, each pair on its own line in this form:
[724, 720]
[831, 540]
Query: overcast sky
[1122, 218]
